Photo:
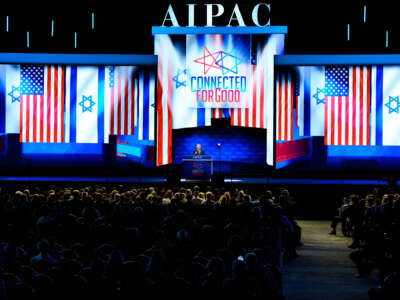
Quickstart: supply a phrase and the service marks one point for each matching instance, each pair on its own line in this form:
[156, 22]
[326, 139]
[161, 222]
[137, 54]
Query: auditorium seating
[122, 242]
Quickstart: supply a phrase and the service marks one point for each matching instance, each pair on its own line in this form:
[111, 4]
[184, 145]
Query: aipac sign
[260, 15]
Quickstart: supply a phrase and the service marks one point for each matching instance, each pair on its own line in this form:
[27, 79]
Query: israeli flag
[311, 101]
[84, 119]
[9, 98]
[146, 105]
[385, 105]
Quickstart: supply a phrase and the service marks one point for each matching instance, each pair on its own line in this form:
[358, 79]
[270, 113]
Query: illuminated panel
[292, 150]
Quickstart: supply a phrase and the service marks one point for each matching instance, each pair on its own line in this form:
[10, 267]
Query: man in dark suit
[198, 150]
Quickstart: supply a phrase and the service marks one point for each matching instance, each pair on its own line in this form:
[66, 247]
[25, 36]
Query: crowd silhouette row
[373, 222]
[121, 242]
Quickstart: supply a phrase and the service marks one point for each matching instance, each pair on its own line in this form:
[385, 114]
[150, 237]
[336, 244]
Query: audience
[59, 243]
[342, 217]
[374, 221]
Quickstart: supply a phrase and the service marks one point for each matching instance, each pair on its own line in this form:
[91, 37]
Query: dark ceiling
[314, 26]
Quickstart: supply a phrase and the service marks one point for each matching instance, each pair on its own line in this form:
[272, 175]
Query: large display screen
[206, 76]
[353, 110]
[73, 109]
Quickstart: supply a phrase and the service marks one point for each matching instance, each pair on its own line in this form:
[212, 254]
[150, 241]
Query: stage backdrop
[202, 77]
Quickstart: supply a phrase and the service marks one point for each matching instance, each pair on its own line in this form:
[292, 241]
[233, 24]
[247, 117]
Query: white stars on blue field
[336, 81]
[32, 80]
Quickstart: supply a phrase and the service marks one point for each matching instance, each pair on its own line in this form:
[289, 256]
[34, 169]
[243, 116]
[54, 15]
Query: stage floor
[163, 179]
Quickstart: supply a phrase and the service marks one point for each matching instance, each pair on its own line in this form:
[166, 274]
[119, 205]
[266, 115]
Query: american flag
[284, 105]
[164, 109]
[347, 105]
[42, 95]
[254, 114]
[122, 93]
[220, 113]
[297, 87]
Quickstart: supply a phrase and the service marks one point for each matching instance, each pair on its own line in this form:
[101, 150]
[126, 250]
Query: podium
[197, 167]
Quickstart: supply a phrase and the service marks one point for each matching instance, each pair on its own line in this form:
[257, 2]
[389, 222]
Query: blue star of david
[389, 105]
[14, 98]
[224, 68]
[320, 96]
[176, 79]
[87, 106]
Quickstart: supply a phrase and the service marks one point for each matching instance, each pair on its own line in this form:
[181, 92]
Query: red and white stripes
[284, 105]
[42, 116]
[347, 118]
[217, 113]
[254, 114]
[164, 110]
[240, 117]
[122, 98]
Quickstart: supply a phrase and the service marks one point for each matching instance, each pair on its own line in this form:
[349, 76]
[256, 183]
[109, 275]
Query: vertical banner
[120, 99]
[299, 94]
[146, 105]
[348, 105]
[42, 89]
[310, 98]
[274, 46]
[12, 97]
[163, 48]
[87, 104]
[387, 97]
[284, 105]
[315, 101]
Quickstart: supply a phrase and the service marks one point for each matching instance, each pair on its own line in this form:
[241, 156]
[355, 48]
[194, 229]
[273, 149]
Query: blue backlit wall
[238, 144]
[61, 148]
[363, 157]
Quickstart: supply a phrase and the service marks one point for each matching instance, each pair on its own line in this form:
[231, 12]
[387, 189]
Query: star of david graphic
[223, 62]
[220, 60]
[178, 80]
[320, 96]
[393, 104]
[87, 103]
[14, 94]
[208, 60]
